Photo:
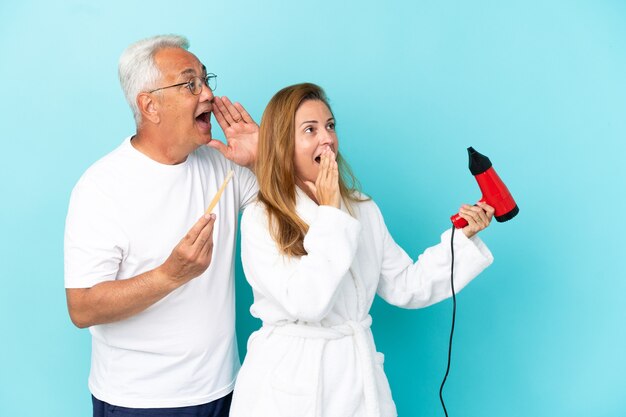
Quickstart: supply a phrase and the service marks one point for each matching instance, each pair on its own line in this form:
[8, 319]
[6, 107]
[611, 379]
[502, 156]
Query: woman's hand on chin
[326, 187]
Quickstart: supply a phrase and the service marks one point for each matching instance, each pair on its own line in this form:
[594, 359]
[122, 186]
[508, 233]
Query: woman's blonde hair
[275, 169]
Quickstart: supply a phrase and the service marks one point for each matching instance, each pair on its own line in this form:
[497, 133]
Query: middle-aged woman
[316, 252]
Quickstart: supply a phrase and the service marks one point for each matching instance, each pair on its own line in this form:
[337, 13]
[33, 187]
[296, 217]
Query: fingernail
[213, 216]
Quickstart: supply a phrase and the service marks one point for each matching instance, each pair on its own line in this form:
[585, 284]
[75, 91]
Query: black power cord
[453, 320]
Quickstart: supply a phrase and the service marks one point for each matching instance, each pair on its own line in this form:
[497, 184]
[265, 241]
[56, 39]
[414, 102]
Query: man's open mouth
[203, 120]
[204, 117]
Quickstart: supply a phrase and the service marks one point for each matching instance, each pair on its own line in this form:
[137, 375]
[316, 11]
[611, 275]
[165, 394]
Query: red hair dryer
[494, 191]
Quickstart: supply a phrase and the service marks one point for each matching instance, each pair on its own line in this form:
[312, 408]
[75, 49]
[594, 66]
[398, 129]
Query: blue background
[539, 86]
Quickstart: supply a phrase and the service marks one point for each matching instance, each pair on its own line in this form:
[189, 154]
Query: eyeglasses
[195, 84]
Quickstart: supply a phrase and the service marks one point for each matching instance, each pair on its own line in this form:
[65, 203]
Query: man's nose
[206, 94]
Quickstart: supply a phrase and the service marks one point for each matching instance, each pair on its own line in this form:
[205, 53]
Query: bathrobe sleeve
[409, 284]
[304, 287]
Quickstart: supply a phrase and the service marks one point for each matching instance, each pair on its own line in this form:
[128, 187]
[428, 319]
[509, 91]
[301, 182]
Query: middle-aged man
[146, 269]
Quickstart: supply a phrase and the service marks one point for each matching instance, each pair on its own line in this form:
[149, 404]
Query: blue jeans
[217, 408]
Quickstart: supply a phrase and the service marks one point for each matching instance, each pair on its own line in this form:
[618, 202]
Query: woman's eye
[331, 126]
[308, 129]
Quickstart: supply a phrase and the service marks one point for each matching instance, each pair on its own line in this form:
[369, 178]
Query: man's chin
[205, 138]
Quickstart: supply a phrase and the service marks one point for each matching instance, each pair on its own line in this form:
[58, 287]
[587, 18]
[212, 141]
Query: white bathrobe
[315, 354]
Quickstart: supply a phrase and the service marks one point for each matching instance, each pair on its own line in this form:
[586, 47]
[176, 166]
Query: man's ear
[148, 107]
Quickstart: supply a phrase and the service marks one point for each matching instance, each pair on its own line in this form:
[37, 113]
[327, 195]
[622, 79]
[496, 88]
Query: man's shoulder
[108, 167]
[208, 154]
[215, 161]
[114, 157]
[212, 161]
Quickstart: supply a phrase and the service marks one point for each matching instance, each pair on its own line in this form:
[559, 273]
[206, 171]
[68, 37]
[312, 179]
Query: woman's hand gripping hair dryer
[494, 191]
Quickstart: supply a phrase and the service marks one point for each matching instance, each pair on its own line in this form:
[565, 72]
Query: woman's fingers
[473, 213]
[328, 166]
[327, 181]
[324, 164]
[478, 217]
[490, 211]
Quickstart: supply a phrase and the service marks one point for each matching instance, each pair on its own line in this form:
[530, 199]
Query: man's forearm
[112, 301]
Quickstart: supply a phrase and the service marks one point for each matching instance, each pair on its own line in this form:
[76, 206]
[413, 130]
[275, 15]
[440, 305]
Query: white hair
[137, 70]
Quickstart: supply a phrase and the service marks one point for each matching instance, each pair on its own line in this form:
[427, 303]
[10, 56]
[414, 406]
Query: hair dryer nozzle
[478, 163]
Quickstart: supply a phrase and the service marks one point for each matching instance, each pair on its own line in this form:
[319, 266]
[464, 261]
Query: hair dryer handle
[458, 221]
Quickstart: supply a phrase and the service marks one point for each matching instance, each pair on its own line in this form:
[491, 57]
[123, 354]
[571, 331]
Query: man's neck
[160, 150]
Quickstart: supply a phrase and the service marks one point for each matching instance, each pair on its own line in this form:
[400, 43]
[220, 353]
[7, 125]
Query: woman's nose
[326, 138]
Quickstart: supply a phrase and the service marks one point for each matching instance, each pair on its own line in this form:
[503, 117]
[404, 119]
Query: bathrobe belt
[356, 330]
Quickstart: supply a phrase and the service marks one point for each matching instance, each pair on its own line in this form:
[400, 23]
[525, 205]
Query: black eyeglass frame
[206, 80]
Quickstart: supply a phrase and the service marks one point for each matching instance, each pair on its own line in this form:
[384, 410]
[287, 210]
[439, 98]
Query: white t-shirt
[126, 214]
